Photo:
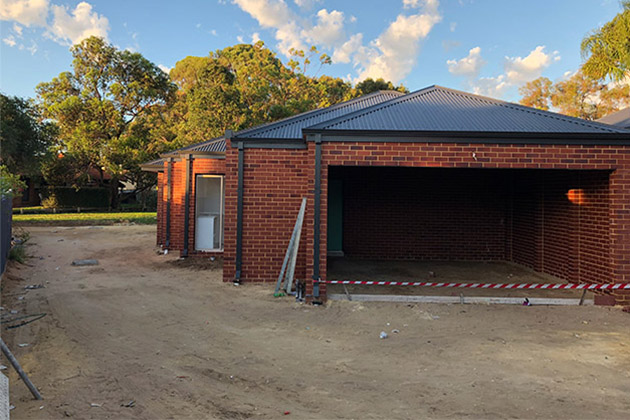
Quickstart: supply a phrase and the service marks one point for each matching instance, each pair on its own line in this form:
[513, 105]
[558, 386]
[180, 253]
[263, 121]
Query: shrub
[18, 253]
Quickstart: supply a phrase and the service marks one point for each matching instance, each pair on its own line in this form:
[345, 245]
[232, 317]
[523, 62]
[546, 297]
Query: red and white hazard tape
[559, 286]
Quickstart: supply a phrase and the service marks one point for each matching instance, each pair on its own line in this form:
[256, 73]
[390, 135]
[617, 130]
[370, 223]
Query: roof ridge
[479, 98]
[295, 118]
[523, 108]
[369, 110]
[191, 146]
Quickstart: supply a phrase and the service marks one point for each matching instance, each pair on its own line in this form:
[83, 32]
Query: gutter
[603, 138]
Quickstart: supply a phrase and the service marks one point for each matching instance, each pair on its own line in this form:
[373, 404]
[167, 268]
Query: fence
[6, 205]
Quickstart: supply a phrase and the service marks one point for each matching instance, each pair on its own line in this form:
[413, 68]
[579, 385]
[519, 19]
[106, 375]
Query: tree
[24, 138]
[579, 96]
[246, 85]
[101, 108]
[370, 85]
[9, 182]
[607, 49]
[536, 93]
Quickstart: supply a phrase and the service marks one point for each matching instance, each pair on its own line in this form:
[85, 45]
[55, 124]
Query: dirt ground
[181, 344]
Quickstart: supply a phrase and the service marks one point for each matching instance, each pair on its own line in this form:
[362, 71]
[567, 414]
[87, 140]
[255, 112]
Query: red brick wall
[595, 261]
[552, 234]
[590, 242]
[198, 166]
[424, 213]
[275, 180]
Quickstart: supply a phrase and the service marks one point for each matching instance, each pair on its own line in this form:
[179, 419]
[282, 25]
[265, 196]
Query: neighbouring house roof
[620, 118]
[441, 110]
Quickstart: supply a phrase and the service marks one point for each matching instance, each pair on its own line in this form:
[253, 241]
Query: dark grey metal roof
[291, 128]
[620, 118]
[156, 165]
[214, 145]
[438, 109]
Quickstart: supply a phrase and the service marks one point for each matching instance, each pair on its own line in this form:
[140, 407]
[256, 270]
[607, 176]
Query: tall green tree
[370, 85]
[24, 138]
[578, 96]
[247, 85]
[103, 105]
[537, 93]
[607, 49]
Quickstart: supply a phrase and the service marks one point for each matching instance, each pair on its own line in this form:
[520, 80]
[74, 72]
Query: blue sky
[488, 47]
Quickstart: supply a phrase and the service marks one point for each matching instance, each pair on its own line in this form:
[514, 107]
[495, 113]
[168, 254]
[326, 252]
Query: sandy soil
[182, 344]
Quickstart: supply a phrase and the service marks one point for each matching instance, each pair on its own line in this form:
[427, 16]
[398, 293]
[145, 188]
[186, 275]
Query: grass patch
[72, 219]
[17, 253]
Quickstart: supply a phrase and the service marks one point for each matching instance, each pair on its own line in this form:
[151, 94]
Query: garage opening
[477, 225]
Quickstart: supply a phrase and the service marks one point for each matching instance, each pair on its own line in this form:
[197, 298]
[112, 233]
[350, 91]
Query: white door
[209, 213]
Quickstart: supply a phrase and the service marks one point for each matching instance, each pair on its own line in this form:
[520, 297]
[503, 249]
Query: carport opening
[488, 225]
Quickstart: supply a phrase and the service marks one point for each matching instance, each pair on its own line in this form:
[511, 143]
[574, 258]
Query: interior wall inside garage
[554, 221]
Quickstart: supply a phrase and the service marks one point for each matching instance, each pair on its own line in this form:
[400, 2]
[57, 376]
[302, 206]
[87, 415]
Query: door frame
[221, 215]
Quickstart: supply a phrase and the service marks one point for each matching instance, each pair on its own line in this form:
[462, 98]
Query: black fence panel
[6, 217]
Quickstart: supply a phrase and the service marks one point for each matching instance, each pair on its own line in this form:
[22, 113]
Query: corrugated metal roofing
[214, 145]
[291, 128]
[620, 118]
[439, 109]
[155, 162]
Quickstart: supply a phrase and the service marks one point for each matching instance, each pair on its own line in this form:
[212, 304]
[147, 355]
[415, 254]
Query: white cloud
[345, 51]
[329, 29]
[17, 29]
[164, 68]
[353, 18]
[523, 69]
[255, 37]
[393, 54]
[9, 40]
[61, 24]
[240, 39]
[493, 87]
[517, 71]
[71, 27]
[306, 4]
[25, 12]
[33, 48]
[468, 66]
[453, 26]
[408, 4]
[213, 32]
[275, 14]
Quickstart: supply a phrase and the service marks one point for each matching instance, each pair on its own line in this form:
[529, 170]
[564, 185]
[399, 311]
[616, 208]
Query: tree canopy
[247, 85]
[579, 96]
[607, 49]
[104, 106]
[115, 109]
[24, 138]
